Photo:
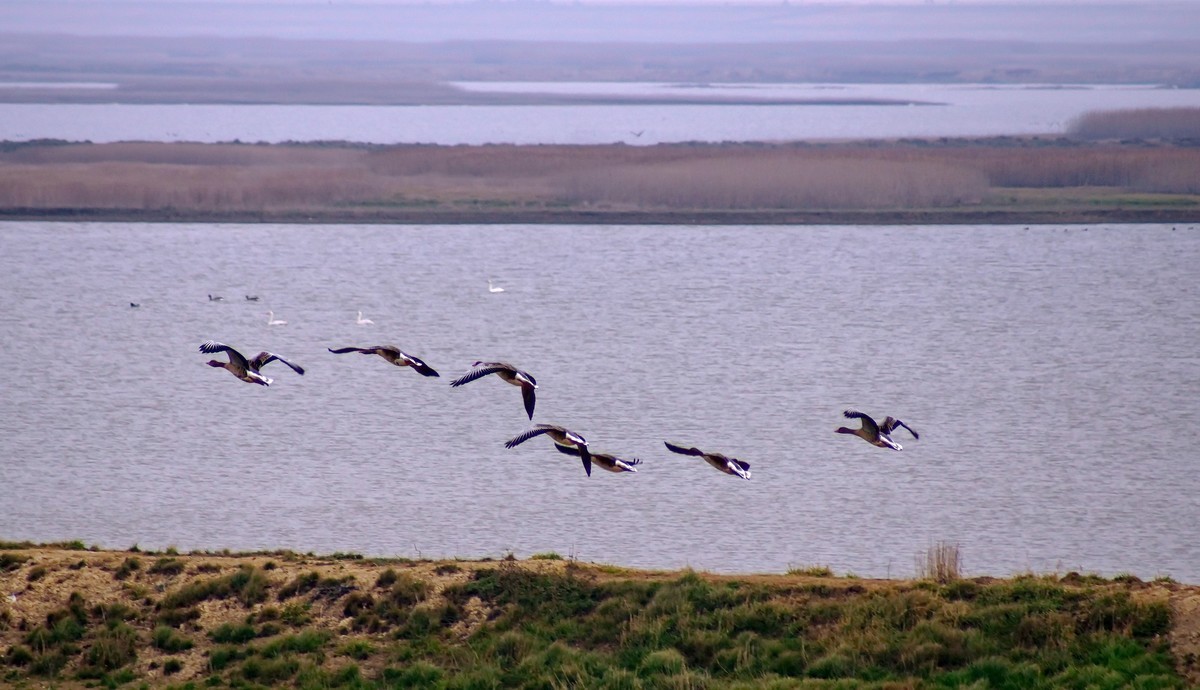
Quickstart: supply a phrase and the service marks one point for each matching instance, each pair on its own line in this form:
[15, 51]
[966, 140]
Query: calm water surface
[1051, 371]
[939, 110]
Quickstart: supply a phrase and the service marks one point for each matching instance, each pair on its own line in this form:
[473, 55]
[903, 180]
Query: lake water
[1051, 371]
[962, 110]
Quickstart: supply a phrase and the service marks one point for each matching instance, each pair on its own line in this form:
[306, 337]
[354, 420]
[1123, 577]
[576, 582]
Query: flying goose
[507, 372]
[561, 436]
[724, 463]
[609, 462]
[876, 433]
[239, 366]
[272, 321]
[363, 322]
[392, 354]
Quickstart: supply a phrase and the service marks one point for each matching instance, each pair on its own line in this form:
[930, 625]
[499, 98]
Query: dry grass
[942, 563]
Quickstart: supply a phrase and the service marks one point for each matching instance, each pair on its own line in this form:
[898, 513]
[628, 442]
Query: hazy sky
[664, 21]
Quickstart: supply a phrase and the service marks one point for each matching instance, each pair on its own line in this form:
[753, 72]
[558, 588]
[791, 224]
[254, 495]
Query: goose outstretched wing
[235, 357]
[264, 358]
[869, 424]
[528, 434]
[890, 423]
[683, 451]
[344, 350]
[416, 363]
[528, 394]
[481, 369]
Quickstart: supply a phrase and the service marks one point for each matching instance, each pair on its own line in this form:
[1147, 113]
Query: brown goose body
[876, 433]
[245, 369]
[392, 354]
[724, 463]
[561, 436]
[605, 461]
[509, 374]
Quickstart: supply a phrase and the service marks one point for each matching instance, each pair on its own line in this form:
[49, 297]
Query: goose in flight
[392, 354]
[724, 463]
[608, 462]
[363, 322]
[494, 288]
[876, 433]
[239, 366]
[272, 321]
[560, 436]
[215, 298]
[506, 372]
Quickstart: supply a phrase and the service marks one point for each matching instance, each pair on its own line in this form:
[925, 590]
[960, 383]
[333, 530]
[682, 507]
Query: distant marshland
[1125, 166]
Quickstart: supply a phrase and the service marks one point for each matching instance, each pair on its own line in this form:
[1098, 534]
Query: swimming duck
[724, 463]
[561, 436]
[363, 322]
[608, 462]
[215, 298]
[506, 372]
[272, 321]
[251, 298]
[876, 433]
[392, 354]
[494, 288]
[239, 366]
[134, 305]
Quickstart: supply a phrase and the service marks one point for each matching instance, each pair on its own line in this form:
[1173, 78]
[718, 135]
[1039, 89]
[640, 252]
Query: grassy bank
[83, 617]
[1002, 180]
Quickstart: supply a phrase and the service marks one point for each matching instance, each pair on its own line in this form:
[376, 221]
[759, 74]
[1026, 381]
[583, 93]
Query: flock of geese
[565, 441]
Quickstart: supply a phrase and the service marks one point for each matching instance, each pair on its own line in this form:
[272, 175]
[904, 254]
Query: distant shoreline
[556, 217]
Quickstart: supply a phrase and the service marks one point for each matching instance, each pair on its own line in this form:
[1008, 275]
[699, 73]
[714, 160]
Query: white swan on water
[363, 322]
[272, 321]
[493, 288]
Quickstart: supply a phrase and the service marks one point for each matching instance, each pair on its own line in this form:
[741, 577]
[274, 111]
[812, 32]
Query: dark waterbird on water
[560, 436]
[392, 354]
[508, 373]
[242, 368]
[876, 433]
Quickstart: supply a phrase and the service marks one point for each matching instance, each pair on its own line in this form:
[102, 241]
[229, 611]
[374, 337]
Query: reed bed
[942, 562]
[875, 176]
[1139, 123]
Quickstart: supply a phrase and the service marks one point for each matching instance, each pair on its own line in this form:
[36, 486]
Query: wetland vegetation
[103, 618]
[1114, 167]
